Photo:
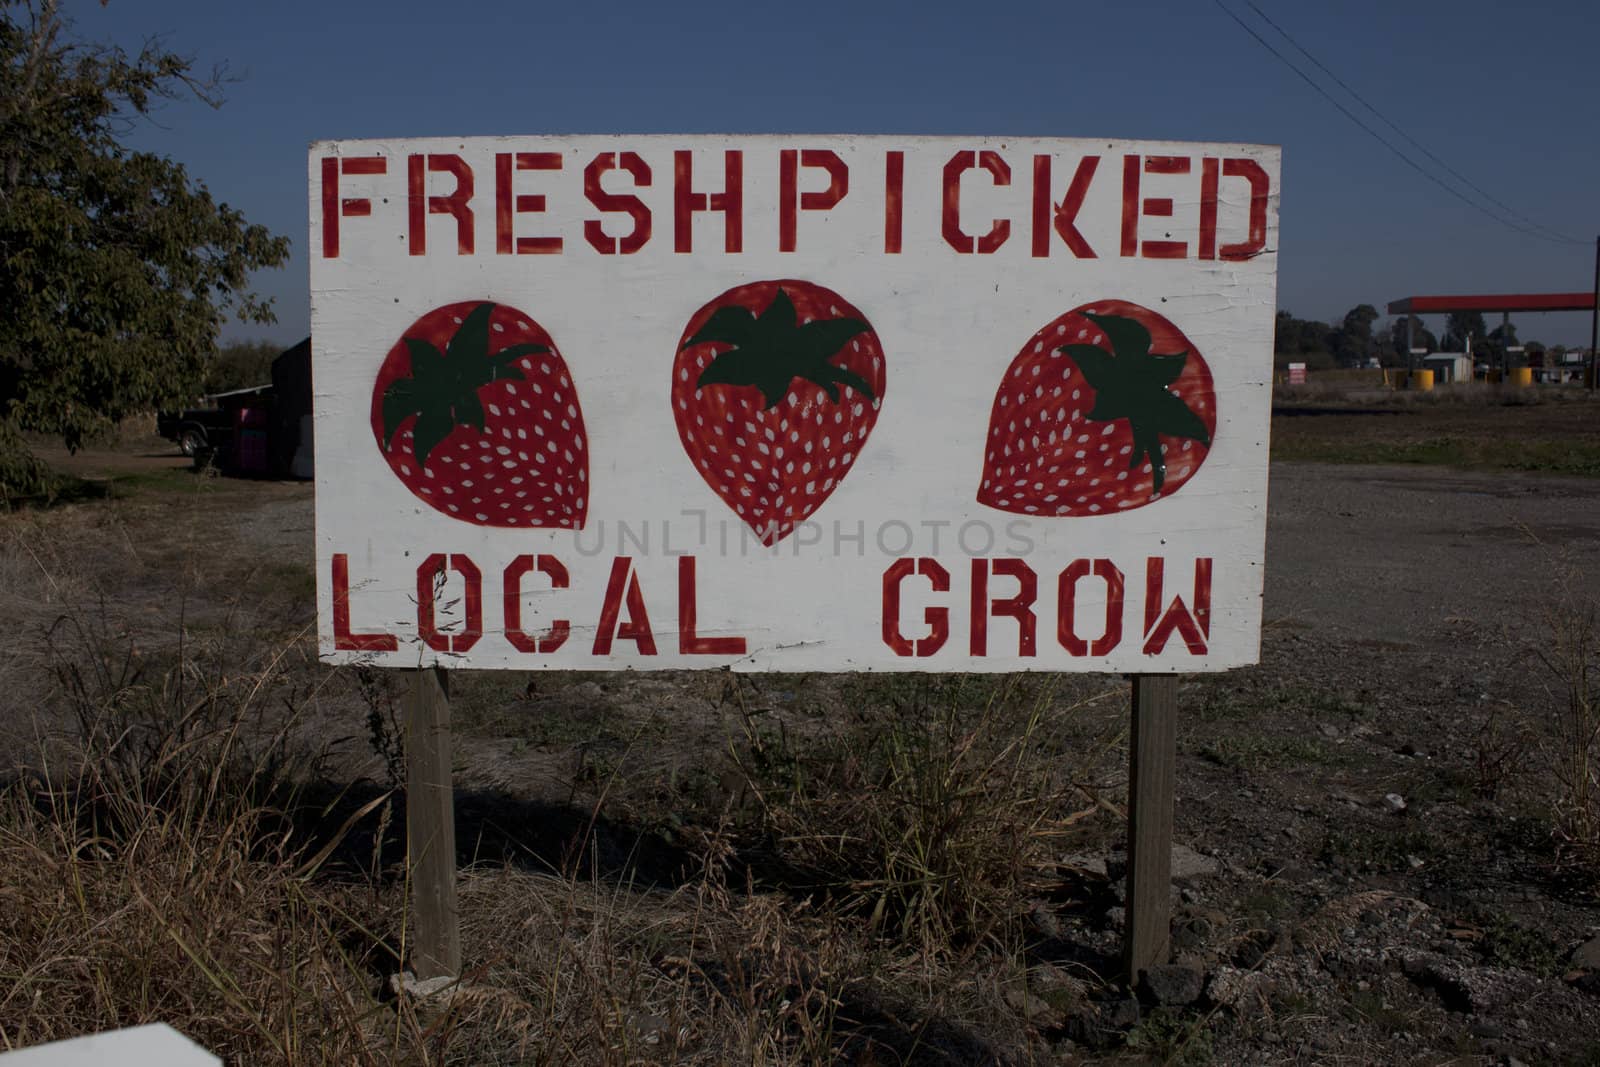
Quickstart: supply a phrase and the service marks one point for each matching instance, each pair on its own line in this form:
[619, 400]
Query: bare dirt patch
[694, 868]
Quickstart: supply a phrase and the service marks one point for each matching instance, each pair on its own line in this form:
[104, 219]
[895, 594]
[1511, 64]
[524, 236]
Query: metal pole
[1594, 316]
[1505, 347]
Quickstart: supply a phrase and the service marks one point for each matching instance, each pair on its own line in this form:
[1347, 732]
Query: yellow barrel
[1520, 376]
[1422, 380]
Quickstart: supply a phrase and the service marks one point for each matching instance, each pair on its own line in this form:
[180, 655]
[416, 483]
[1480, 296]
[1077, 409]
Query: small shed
[291, 413]
[268, 431]
[1449, 366]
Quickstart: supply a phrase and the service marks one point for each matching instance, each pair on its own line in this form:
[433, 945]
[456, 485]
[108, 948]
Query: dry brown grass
[163, 860]
[1571, 752]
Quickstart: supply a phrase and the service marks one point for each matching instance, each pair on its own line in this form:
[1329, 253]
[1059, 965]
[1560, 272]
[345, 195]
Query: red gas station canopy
[1424, 305]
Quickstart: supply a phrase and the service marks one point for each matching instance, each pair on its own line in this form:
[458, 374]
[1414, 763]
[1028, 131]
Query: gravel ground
[1403, 554]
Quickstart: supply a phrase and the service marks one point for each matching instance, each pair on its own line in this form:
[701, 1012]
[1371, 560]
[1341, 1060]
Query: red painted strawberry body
[1108, 407]
[474, 410]
[775, 387]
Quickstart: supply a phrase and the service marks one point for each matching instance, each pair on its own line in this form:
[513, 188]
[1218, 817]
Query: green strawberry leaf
[428, 365]
[399, 401]
[1174, 418]
[770, 351]
[509, 354]
[468, 411]
[471, 340]
[729, 325]
[1127, 336]
[745, 366]
[443, 388]
[1133, 383]
[432, 427]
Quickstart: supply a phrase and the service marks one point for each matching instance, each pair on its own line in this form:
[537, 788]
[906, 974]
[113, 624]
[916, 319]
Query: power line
[1468, 182]
[1402, 156]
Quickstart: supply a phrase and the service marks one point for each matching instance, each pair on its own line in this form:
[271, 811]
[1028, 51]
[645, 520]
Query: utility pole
[1594, 317]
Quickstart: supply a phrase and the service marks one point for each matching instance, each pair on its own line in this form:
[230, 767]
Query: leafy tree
[1286, 334]
[1352, 341]
[1421, 336]
[116, 268]
[1299, 337]
[240, 365]
[1460, 326]
[1500, 339]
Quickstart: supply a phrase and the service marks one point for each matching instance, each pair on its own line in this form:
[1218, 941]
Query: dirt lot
[1375, 863]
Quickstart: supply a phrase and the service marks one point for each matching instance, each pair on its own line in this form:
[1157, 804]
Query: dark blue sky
[1509, 96]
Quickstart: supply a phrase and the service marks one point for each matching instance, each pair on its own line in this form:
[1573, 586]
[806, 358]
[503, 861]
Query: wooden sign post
[431, 826]
[1152, 756]
[791, 403]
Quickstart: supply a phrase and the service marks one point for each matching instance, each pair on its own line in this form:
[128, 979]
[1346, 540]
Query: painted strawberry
[775, 387]
[1109, 407]
[475, 411]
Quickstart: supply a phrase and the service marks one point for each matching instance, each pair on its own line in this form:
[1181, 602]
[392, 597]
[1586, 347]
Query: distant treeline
[1354, 342]
[240, 365]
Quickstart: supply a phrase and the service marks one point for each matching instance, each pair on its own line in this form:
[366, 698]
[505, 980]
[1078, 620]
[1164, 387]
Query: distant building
[1449, 366]
[268, 427]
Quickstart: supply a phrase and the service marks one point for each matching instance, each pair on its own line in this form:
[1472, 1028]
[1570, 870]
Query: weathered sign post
[792, 404]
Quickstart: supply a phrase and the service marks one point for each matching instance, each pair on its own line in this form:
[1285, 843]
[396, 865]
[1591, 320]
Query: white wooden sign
[792, 403]
[153, 1045]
